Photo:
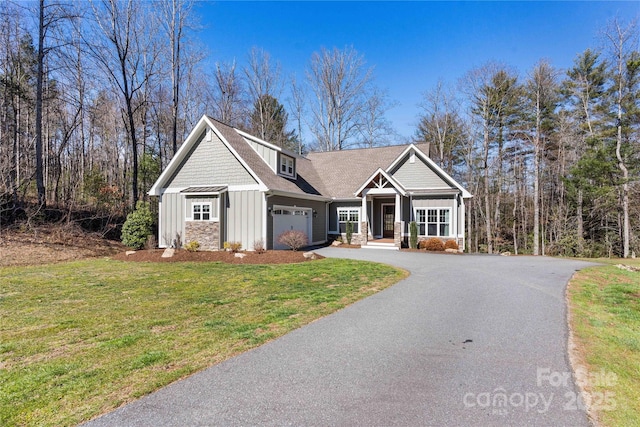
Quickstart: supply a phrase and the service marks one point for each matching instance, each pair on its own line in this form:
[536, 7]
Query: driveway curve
[464, 340]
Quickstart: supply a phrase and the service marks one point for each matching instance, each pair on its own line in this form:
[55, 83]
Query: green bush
[413, 235]
[349, 232]
[137, 227]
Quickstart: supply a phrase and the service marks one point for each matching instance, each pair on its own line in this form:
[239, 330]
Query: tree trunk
[39, 78]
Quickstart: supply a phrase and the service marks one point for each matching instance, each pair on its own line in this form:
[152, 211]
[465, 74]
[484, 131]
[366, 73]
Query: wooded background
[98, 96]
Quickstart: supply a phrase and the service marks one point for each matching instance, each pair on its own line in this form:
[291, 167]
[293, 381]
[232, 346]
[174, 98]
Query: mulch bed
[268, 257]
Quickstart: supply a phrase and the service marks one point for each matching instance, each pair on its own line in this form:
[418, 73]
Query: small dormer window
[287, 165]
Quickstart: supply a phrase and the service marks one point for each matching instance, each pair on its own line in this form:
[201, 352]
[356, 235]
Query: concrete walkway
[465, 340]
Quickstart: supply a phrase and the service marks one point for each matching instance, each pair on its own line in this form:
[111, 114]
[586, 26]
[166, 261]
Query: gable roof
[325, 175]
[306, 182]
[379, 173]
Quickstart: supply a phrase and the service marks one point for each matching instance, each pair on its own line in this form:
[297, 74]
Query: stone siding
[207, 233]
[397, 234]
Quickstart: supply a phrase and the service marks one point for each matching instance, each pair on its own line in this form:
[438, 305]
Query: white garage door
[290, 218]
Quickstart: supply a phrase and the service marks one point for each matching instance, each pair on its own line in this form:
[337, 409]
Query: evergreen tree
[269, 114]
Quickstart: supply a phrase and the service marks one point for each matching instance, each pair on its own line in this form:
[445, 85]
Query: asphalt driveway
[465, 340]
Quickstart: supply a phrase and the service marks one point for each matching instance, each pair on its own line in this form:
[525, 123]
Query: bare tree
[176, 14]
[440, 125]
[622, 39]
[227, 95]
[263, 83]
[297, 103]
[373, 127]
[48, 16]
[127, 38]
[338, 82]
[542, 93]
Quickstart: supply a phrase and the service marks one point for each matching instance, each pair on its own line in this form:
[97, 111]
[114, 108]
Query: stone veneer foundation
[207, 233]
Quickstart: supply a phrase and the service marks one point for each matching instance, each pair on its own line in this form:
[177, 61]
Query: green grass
[605, 306]
[79, 339]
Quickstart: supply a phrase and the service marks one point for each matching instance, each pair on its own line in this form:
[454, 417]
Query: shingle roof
[334, 174]
[307, 181]
[343, 172]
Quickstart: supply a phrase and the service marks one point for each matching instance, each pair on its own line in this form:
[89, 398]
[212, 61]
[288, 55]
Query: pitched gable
[209, 162]
[412, 172]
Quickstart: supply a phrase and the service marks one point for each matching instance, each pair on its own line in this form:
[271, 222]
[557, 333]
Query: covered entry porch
[382, 207]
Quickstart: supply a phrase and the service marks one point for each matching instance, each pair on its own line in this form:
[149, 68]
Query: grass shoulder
[605, 320]
[79, 339]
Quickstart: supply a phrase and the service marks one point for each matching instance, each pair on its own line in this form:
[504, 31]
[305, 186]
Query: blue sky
[411, 44]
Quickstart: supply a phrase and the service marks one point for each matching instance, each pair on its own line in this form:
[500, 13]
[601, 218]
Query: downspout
[326, 221]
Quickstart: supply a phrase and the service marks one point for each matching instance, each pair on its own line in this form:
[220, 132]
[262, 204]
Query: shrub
[451, 244]
[295, 239]
[192, 246]
[413, 235]
[432, 244]
[137, 227]
[258, 246]
[349, 232]
[232, 246]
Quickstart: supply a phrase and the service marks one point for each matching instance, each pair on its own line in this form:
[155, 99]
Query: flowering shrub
[295, 239]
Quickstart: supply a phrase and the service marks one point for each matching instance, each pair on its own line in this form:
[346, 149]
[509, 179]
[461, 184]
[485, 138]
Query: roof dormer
[286, 165]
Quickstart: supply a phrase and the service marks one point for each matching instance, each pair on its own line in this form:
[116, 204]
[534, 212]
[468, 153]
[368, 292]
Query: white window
[201, 212]
[286, 165]
[433, 222]
[348, 215]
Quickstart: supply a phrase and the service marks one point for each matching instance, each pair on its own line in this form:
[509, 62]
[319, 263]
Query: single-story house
[224, 185]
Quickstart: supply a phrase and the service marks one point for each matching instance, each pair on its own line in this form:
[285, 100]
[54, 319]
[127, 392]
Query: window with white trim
[201, 211]
[348, 215]
[433, 222]
[286, 165]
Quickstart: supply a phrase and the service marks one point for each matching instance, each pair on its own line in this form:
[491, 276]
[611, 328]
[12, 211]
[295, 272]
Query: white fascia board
[433, 165]
[388, 177]
[179, 156]
[258, 140]
[268, 144]
[235, 154]
[248, 187]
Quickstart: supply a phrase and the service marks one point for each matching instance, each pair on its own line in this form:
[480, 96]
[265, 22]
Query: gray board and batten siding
[239, 226]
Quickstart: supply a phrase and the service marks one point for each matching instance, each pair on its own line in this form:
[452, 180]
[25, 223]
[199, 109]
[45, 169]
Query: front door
[388, 220]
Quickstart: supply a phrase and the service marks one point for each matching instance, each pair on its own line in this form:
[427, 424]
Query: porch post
[397, 226]
[364, 220]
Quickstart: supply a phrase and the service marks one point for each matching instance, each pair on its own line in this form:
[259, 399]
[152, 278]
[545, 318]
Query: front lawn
[79, 339]
[605, 318]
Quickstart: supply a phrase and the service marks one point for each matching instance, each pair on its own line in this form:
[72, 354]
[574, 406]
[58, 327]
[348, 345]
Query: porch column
[398, 225]
[364, 220]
